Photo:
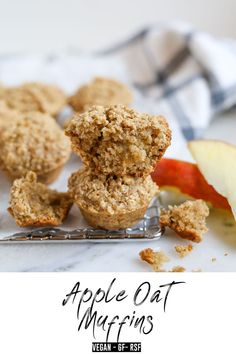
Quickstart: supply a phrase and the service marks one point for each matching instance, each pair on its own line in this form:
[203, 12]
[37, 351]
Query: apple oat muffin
[118, 140]
[111, 202]
[34, 204]
[188, 219]
[35, 142]
[34, 96]
[101, 91]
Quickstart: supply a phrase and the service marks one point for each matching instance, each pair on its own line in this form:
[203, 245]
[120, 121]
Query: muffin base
[113, 221]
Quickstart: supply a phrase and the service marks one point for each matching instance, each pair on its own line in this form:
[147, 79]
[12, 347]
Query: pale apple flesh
[217, 162]
[187, 178]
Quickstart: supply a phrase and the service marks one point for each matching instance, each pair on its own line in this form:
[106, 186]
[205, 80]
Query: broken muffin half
[34, 204]
[188, 219]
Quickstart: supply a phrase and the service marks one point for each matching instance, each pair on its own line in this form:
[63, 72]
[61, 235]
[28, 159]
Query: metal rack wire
[147, 229]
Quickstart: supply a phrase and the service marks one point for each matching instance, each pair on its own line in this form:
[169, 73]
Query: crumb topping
[187, 219]
[34, 143]
[32, 203]
[101, 91]
[118, 140]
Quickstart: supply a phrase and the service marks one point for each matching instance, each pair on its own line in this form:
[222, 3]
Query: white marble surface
[221, 238]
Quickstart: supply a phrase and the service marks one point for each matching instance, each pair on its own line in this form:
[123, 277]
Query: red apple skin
[188, 179]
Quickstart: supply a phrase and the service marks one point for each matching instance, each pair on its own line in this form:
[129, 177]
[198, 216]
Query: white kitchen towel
[189, 71]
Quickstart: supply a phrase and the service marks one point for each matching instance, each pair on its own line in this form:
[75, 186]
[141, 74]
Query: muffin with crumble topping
[119, 140]
[110, 202]
[100, 91]
[35, 142]
[34, 96]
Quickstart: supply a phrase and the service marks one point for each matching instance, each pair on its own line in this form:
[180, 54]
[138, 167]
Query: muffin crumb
[178, 269]
[186, 219]
[183, 250]
[155, 259]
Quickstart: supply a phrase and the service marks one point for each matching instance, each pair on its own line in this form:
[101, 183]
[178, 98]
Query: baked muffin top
[101, 91]
[98, 193]
[35, 142]
[119, 140]
[34, 204]
[34, 96]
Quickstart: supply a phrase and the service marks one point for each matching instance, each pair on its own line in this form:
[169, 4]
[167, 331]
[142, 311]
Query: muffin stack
[119, 148]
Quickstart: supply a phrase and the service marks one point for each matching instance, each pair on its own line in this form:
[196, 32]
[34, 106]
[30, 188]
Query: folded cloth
[190, 74]
[184, 74]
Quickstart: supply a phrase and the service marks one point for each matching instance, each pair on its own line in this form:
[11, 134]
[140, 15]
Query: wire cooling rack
[147, 229]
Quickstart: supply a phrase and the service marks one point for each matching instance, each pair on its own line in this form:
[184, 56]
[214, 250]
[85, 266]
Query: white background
[87, 25]
[199, 318]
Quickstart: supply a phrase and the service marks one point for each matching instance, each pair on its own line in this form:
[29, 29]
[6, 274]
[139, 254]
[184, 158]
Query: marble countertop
[216, 253]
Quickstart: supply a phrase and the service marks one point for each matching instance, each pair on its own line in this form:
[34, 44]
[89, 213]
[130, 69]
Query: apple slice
[187, 178]
[217, 162]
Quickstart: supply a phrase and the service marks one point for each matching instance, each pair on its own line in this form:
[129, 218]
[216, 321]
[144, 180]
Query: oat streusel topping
[101, 91]
[35, 142]
[34, 204]
[118, 140]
